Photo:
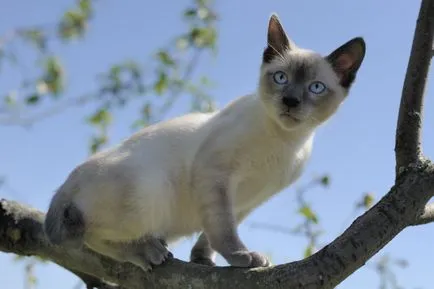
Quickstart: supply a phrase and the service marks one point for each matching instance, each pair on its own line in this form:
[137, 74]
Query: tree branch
[21, 233]
[408, 132]
[426, 217]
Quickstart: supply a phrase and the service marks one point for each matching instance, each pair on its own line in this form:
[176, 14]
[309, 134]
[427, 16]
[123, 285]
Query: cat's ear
[277, 41]
[346, 60]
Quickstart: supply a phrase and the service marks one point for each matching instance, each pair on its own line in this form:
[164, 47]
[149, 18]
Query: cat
[205, 172]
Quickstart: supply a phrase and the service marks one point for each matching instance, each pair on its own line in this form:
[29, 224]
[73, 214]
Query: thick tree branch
[408, 132]
[21, 233]
[94, 282]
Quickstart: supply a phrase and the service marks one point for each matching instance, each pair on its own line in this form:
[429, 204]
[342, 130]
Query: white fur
[205, 172]
[150, 174]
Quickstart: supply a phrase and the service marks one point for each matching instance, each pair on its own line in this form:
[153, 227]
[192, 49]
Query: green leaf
[367, 201]
[309, 251]
[307, 212]
[74, 22]
[36, 37]
[162, 83]
[115, 70]
[102, 117]
[165, 58]
[97, 142]
[203, 37]
[53, 75]
[33, 99]
[190, 13]
[325, 181]
[86, 7]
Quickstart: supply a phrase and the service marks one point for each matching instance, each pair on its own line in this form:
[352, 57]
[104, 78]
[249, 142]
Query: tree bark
[408, 132]
[403, 206]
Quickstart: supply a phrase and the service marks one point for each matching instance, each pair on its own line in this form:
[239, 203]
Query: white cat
[205, 172]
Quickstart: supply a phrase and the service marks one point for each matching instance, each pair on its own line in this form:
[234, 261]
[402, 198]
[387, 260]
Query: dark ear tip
[274, 17]
[361, 42]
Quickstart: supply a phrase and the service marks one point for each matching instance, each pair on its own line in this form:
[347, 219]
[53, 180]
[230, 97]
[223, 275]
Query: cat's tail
[64, 223]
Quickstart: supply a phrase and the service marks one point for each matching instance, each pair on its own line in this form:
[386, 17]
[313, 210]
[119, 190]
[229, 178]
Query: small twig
[408, 133]
[176, 92]
[56, 109]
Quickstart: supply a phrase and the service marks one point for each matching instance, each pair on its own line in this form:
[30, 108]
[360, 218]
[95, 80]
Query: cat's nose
[291, 102]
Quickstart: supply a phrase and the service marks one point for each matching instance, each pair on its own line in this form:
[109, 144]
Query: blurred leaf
[366, 202]
[102, 117]
[309, 251]
[165, 58]
[401, 263]
[115, 70]
[203, 37]
[97, 142]
[190, 13]
[162, 83]
[74, 22]
[145, 119]
[53, 75]
[36, 37]
[33, 99]
[307, 212]
[325, 181]
[86, 7]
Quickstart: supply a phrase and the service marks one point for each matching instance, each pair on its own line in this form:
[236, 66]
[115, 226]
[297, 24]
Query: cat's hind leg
[202, 253]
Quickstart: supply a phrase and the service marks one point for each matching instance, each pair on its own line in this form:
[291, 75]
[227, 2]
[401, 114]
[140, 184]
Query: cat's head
[299, 87]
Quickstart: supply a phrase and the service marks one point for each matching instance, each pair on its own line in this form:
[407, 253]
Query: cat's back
[166, 141]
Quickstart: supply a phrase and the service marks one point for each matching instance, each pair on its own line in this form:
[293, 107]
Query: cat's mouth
[291, 116]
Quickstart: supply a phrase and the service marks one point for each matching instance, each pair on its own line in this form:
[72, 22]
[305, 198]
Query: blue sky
[355, 147]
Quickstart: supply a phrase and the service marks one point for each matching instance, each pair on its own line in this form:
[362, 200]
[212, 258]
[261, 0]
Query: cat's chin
[289, 122]
[290, 117]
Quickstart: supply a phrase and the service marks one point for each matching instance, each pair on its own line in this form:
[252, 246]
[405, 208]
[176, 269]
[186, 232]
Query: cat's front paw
[151, 253]
[247, 259]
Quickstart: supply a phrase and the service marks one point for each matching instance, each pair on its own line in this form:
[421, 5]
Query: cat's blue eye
[317, 87]
[280, 77]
